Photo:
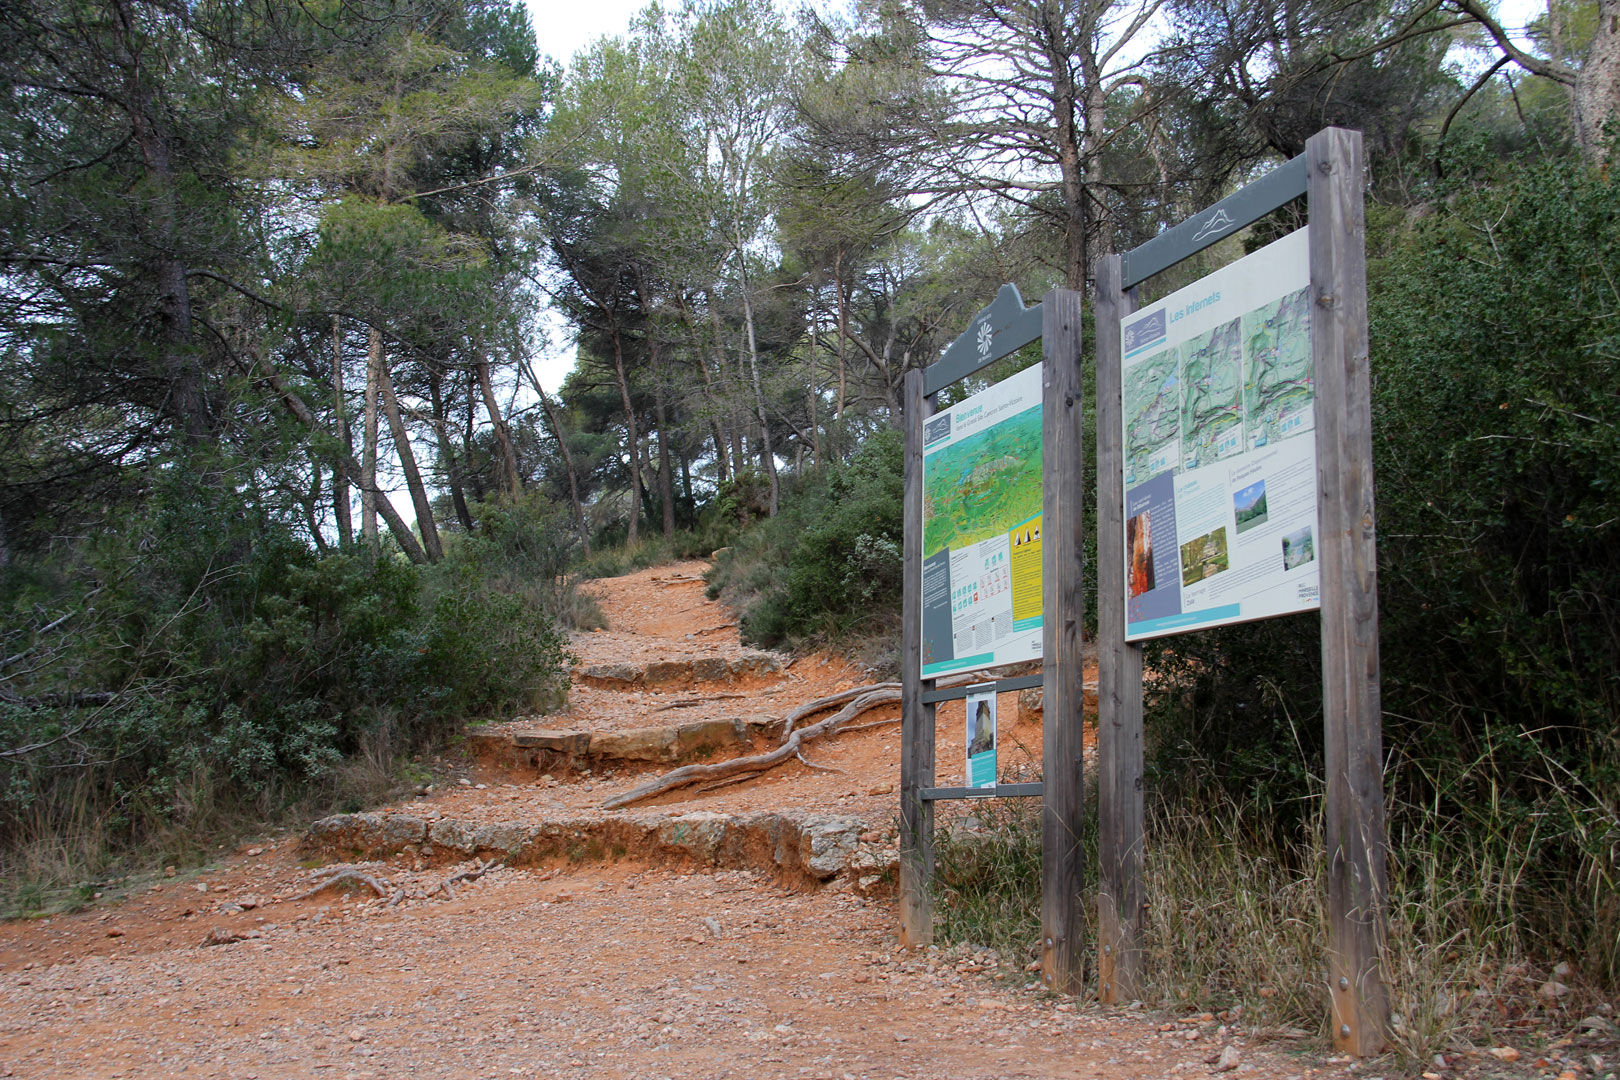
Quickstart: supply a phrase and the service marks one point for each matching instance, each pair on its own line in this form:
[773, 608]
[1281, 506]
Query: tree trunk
[768, 455]
[815, 425]
[503, 435]
[5, 548]
[340, 478]
[402, 532]
[721, 464]
[634, 447]
[843, 342]
[407, 462]
[313, 500]
[185, 396]
[368, 459]
[1597, 87]
[567, 456]
[666, 482]
[452, 461]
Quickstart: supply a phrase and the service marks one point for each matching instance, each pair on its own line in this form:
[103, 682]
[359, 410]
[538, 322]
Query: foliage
[830, 562]
[203, 657]
[1496, 436]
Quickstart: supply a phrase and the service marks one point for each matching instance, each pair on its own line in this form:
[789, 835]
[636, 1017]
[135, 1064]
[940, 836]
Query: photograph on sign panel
[1297, 549]
[1204, 557]
[1249, 505]
[1139, 537]
[981, 739]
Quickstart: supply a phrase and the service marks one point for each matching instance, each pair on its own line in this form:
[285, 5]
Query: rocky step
[687, 672]
[801, 849]
[554, 750]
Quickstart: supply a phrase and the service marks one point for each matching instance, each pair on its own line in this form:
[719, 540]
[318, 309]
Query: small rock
[357, 1034]
[201, 886]
[115, 932]
[1228, 1060]
[464, 782]
[255, 852]
[168, 871]
[712, 925]
[221, 936]
[1552, 991]
[1504, 1053]
[1563, 970]
[881, 789]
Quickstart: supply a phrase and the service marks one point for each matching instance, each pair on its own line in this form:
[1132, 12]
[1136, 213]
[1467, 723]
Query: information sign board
[1219, 448]
[981, 567]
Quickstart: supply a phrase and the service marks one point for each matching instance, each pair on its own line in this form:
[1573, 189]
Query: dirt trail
[624, 968]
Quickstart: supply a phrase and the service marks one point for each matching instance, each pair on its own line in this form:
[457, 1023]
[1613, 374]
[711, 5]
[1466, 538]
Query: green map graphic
[1152, 394]
[1279, 393]
[983, 485]
[1211, 411]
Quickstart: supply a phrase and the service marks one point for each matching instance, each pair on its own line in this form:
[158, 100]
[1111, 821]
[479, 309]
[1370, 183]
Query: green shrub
[1496, 424]
[830, 562]
[196, 661]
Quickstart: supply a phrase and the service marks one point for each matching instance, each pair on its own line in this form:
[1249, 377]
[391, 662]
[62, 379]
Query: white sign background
[1220, 451]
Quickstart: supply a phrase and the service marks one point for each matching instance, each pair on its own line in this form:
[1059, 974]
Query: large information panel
[981, 571]
[1220, 453]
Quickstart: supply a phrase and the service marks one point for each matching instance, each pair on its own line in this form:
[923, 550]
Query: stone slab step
[804, 849]
[663, 673]
[547, 749]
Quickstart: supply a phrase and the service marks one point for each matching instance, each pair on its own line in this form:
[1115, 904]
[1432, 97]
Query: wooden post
[1063, 605]
[1120, 893]
[916, 717]
[1354, 827]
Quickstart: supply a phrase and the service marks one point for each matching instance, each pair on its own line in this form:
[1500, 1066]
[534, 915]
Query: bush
[829, 564]
[197, 661]
[1495, 332]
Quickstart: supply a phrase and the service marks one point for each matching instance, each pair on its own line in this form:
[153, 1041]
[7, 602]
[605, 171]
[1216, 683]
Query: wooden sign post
[1329, 176]
[997, 331]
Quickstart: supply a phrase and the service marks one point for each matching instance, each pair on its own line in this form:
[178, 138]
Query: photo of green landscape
[983, 485]
[1204, 556]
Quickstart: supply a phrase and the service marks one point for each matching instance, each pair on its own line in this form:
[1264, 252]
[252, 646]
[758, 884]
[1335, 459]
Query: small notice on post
[981, 571]
[981, 740]
[1220, 450]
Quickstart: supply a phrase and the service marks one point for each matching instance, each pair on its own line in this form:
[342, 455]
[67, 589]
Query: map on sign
[1279, 394]
[982, 501]
[1212, 409]
[984, 485]
[1152, 416]
[1219, 406]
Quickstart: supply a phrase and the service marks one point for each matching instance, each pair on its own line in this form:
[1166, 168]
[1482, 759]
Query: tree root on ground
[856, 701]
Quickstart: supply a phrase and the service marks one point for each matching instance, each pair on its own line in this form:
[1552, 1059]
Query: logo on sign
[1218, 223]
[985, 334]
[936, 429]
[1144, 332]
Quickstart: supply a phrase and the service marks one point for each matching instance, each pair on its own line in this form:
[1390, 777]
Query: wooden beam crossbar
[995, 791]
[1000, 686]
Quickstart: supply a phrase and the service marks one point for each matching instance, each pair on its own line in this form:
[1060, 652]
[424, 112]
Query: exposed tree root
[347, 873]
[872, 698]
[856, 701]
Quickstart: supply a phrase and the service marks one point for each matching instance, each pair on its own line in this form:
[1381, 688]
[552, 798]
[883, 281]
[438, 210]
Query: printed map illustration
[1211, 416]
[1152, 395]
[983, 485]
[1280, 389]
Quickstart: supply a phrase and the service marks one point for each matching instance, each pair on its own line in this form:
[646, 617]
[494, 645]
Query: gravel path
[610, 970]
